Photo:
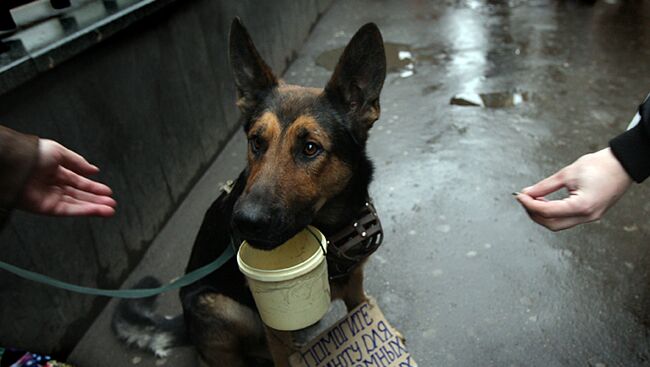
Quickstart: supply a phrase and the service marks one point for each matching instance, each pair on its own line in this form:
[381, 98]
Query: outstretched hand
[57, 185]
[595, 182]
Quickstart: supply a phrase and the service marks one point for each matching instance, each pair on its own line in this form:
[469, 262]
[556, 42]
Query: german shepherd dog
[307, 164]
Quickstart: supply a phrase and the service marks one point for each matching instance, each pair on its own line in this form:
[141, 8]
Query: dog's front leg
[353, 292]
[281, 346]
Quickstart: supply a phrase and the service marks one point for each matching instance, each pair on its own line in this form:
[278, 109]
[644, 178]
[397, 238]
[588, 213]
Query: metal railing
[7, 21]
[29, 25]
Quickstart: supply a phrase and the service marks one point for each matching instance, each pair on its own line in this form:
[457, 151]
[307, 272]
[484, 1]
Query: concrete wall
[151, 106]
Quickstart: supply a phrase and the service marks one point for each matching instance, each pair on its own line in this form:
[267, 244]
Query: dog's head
[303, 143]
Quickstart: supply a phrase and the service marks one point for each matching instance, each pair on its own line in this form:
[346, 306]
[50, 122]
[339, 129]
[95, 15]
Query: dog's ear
[253, 77]
[358, 78]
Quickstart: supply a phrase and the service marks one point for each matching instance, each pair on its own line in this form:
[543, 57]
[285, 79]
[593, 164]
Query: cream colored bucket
[289, 283]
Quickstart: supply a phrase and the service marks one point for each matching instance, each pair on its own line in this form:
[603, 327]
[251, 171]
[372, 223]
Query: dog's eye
[311, 149]
[256, 144]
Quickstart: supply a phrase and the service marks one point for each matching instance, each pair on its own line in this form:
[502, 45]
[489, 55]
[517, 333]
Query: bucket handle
[320, 243]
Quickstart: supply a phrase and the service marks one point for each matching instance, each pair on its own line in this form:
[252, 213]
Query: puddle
[399, 59]
[490, 100]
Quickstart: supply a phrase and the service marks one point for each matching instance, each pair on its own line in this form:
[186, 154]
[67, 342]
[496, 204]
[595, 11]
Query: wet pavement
[463, 273]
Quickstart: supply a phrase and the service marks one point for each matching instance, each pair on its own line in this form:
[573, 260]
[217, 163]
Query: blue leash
[186, 279]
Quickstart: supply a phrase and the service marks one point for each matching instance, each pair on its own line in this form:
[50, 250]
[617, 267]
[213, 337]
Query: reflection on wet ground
[467, 277]
[402, 58]
[399, 58]
[490, 100]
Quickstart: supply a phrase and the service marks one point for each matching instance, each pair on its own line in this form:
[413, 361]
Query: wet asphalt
[463, 272]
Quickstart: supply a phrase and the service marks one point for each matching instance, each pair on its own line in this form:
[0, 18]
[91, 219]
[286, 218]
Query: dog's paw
[161, 345]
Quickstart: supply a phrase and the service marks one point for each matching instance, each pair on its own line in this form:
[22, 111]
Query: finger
[545, 186]
[551, 209]
[70, 178]
[69, 206]
[76, 163]
[89, 197]
[558, 224]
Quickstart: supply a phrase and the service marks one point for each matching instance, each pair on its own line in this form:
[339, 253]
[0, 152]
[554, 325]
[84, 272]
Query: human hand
[595, 182]
[57, 186]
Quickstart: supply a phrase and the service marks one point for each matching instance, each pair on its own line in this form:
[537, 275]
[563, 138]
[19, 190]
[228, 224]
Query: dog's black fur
[307, 164]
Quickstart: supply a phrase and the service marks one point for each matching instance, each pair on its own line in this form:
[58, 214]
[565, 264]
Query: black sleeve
[632, 148]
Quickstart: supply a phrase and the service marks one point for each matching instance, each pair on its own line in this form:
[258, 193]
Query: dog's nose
[252, 220]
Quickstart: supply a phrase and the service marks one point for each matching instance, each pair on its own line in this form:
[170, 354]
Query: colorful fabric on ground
[10, 357]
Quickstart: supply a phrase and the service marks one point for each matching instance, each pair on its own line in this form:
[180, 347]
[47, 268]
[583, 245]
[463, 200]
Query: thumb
[545, 186]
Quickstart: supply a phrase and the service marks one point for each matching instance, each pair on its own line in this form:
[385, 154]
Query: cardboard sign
[363, 338]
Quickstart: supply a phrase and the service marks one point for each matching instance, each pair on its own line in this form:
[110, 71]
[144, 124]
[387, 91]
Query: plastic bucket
[289, 283]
